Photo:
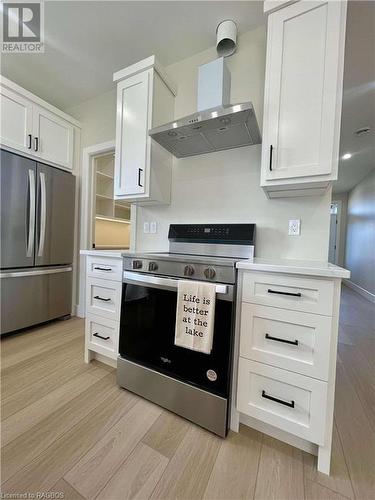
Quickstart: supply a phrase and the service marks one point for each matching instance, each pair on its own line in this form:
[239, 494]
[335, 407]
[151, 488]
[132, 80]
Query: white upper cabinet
[36, 129]
[145, 99]
[16, 120]
[53, 137]
[303, 94]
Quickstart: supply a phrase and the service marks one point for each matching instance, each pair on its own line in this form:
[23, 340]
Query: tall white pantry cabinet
[145, 99]
[303, 97]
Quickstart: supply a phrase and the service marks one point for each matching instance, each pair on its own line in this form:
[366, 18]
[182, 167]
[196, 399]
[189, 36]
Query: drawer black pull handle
[103, 268]
[271, 151]
[139, 177]
[290, 404]
[101, 298]
[291, 294]
[292, 342]
[100, 337]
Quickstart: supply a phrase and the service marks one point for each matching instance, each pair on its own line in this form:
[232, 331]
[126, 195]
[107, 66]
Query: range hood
[217, 125]
[215, 129]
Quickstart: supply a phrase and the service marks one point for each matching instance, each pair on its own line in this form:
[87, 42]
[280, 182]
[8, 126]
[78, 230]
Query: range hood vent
[216, 129]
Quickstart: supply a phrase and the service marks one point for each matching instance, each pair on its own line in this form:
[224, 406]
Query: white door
[16, 121]
[132, 139]
[53, 137]
[304, 42]
[332, 239]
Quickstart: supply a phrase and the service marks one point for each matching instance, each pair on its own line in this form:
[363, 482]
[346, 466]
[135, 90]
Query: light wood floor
[67, 427]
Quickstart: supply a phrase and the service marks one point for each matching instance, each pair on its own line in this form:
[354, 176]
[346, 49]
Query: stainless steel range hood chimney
[221, 126]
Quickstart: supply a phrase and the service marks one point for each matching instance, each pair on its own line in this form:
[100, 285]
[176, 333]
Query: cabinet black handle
[101, 298]
[292, 342]
[100, 337]
[271, 151]
[291, 294]
[290, 404]
[30, 141]
[103, 268]
[36, 144]
[139, 177]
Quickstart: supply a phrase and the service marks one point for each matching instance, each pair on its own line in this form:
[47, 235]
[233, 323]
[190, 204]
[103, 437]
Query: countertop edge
[292, 268]
[105, 253]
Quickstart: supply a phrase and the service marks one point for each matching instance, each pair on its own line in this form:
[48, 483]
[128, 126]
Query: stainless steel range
[192, 384]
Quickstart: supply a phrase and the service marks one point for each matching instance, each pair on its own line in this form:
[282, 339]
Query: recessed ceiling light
[346, 156]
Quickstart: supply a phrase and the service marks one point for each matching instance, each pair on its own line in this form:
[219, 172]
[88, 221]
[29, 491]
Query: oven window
[147, 330]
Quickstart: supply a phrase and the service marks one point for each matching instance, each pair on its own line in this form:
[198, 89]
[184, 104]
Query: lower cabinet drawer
[288, 401]
[108, 268]
[102, 335]
[296, 341]
[103, 298]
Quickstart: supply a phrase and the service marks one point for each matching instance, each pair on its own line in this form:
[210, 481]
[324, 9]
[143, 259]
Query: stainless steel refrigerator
[37, 234]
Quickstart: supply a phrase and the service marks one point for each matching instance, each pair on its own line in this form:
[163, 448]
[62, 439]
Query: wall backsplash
[224, 186]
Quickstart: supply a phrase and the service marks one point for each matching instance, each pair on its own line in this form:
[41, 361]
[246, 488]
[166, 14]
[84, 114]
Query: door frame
[87, 213]
[338, 229]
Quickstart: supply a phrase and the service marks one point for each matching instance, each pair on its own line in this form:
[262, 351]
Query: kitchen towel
[195, 315]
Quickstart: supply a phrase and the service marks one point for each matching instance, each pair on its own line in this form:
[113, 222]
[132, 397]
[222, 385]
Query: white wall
[224, 186]
[360, 234]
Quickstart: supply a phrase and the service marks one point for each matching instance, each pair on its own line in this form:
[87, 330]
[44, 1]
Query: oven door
[148, 316]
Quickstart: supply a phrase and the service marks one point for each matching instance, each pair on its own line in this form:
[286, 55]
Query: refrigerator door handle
[30, 238]
[43, 213]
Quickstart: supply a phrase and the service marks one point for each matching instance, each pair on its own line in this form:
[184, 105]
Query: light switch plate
[146, 227]
[294, 227]
[153, 227]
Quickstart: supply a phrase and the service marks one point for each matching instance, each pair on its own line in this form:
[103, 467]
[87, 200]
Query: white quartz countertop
[105, 253]
[311, 268]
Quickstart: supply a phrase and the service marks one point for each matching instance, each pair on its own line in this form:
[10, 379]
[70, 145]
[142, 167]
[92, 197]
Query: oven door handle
[169, 283]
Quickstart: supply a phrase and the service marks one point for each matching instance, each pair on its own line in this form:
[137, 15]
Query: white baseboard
[80, 311]
[288, 438]
[367, 295]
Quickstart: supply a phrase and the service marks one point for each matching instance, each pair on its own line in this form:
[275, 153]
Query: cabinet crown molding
[150, 62]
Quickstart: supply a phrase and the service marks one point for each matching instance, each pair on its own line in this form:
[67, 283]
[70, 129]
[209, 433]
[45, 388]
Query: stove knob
[210, 273]
[153, 266]
[137, 264]
[188, 271]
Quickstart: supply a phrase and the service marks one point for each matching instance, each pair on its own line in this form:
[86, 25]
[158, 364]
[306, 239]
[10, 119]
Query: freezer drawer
[33, 296]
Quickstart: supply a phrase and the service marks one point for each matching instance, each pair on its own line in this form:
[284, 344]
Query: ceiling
[87, 41]
[359, 96]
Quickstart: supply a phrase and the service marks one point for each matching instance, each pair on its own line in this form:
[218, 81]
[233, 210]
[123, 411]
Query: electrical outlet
[146, 227]
[153, 227]
[294, 227]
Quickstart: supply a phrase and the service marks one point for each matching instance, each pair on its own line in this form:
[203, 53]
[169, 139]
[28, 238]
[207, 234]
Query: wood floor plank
[22, 450]
[94, 469]
[356, 435]
[62, 487]
[188, 472]
[51, 342]
[339, 478]
[17, 400]
[24, 374]
[315, 491]
[280, 474]
[38, 335]
[55, 461]
[28, 417]
[137, 476]
[362, 377]
[235, 470]
[166, 434]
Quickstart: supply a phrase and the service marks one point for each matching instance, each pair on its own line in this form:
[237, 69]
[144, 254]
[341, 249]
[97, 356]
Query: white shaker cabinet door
[16, 121]
[53, 137]
[134, 102]
[301, 97]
